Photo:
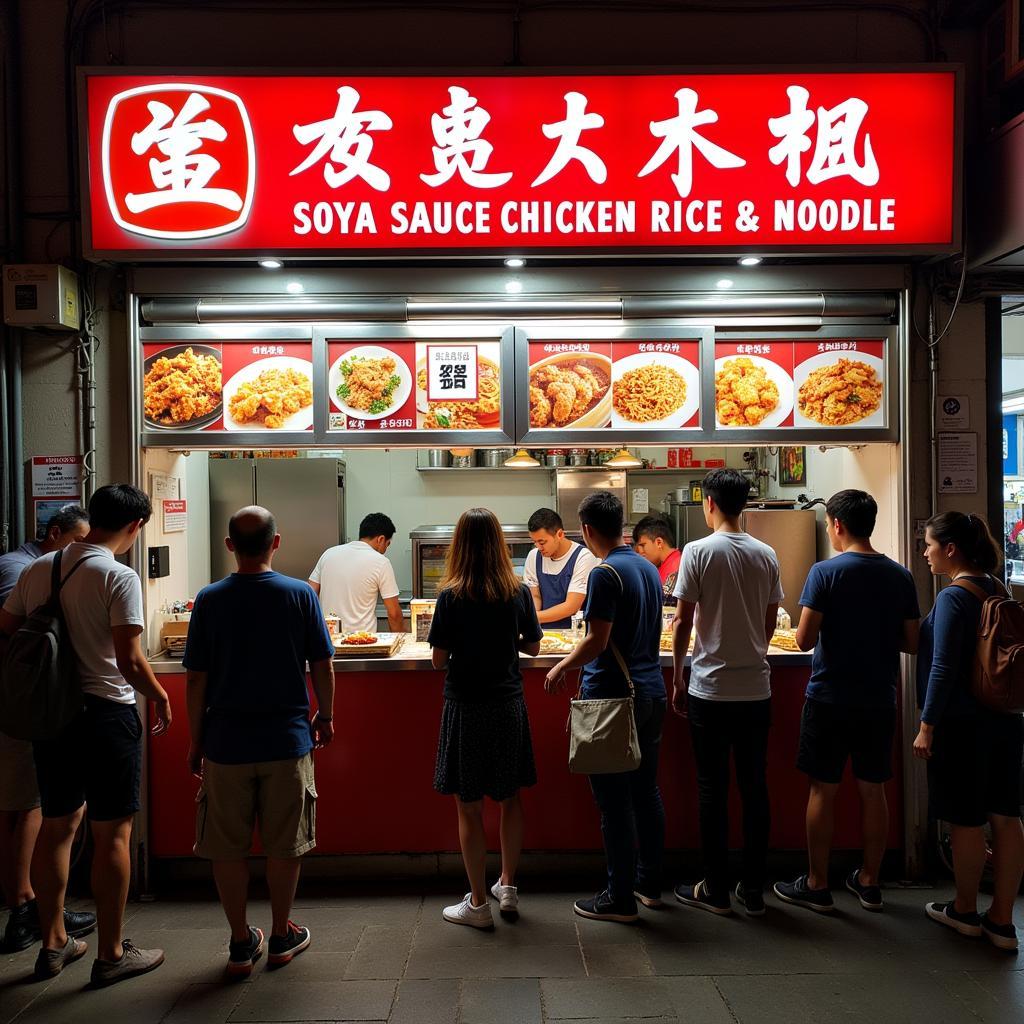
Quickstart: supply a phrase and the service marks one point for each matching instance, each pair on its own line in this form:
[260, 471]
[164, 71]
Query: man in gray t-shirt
[729, 587]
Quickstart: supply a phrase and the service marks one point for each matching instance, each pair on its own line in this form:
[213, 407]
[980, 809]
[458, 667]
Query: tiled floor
[391, 958]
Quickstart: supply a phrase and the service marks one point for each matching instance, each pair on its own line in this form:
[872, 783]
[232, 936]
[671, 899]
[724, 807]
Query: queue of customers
[252, 731]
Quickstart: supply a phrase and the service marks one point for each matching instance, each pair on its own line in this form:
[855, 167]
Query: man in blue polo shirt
[249, 640]
[859, 610]
[623, 614]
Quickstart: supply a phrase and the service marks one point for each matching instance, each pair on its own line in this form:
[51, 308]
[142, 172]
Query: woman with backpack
[974, 753]
[483, 618]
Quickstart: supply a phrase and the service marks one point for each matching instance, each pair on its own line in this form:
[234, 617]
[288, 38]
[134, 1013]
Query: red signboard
[791, 160]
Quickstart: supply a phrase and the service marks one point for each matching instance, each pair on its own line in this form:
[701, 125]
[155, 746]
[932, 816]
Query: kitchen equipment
[383, 647]
[681, 494]
[554, 457]
[493, 458]
[755, 482]
[572, 486]
[696, 490]
[421, 614]
[462, 461]
[439, 458]
[793, 533]
[688, 522]
[578, 457]
[307, 497]
[430, 548]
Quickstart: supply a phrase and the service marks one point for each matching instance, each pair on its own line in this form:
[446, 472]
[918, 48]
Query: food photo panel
[753, 385]
[840, 383]
[268, 386]
[458, 385]
[570, 385]
[655, 385]
[182, 386]
[370, 386]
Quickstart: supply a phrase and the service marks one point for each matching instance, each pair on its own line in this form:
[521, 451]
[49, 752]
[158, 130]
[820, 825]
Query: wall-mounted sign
[954, 412]
[958, 463]
[175, 515]
[57, 476]
[790, 160]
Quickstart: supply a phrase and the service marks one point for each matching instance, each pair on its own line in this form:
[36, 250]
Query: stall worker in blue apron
[556, 571]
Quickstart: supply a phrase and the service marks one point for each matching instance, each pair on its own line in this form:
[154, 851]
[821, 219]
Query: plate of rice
[654, 391]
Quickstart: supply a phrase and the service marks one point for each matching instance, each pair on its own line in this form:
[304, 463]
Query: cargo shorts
[279, 795]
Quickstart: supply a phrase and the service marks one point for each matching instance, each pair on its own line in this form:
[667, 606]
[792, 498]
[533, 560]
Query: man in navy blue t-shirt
[623, 614]
[859, 611]
[249, 640]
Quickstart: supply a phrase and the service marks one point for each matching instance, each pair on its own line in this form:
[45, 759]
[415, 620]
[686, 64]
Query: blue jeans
[632, 814]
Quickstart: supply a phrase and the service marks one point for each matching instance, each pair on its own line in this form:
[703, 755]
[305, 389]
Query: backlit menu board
[238, 386]
[614, 385]
[404, 385]
[802, 385]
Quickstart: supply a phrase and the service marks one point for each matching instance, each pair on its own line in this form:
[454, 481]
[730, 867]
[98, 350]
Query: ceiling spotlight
[271, 264]
[725, 282]
[749, 261]
[513, 287]
[515, 262]
[294, 287]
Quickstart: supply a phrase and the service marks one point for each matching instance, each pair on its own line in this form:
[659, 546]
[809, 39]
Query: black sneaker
[751, 899]
[1002, 936]
[602, 908]
[284, 948]
[23, 926]
[698, 896]
[649, 895]
[242, 956]
[801, 895]
[947, 914]
[870, 896]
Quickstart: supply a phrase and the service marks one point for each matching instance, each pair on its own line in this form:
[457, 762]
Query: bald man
[249, 640]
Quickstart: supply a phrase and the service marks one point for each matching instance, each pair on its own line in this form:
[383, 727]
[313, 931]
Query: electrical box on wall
[41, 295]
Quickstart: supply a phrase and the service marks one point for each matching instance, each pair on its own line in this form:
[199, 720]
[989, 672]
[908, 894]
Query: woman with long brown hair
[973, 753]
[483, 618]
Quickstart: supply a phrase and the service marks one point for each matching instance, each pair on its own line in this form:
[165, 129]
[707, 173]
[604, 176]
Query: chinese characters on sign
[474, 161]
[451, 373]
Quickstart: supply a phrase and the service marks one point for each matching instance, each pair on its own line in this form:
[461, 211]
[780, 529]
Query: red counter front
[375, 780]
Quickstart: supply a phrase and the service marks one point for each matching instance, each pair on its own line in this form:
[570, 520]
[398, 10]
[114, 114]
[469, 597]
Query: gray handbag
[602, 732]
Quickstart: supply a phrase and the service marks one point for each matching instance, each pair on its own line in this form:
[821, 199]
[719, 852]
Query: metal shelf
[554, 469]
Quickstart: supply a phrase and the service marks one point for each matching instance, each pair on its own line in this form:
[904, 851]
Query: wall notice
[954, 412]
[175, 516]
[56, 476]
[958, 463]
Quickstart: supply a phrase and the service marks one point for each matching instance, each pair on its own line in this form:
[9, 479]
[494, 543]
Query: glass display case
[430, 548]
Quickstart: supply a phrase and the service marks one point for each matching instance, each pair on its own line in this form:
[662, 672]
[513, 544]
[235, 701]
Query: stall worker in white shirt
[556, 571]
[351, 577]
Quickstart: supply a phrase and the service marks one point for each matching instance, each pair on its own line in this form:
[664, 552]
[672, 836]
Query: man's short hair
[376, 524]
[602, 512]
[728, 489]
[252, 530]
[545, 519]
[115, 506]
[657, 527]
[67, 518]
[856, 510]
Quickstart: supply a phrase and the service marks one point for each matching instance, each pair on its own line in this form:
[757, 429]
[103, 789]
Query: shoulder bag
[602, 732]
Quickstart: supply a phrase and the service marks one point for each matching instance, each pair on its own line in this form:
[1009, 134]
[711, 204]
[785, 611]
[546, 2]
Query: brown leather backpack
[997, 676]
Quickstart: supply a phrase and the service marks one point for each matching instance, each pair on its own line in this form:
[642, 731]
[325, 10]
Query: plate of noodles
[654, 390]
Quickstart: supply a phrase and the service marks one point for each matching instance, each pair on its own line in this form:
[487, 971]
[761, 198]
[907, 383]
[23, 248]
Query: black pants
[718, 727]
[632, 814]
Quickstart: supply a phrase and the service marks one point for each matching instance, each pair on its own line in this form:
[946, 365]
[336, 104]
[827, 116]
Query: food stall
[797, 374]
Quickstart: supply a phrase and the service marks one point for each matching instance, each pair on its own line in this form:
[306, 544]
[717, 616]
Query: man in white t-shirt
[95, 765]
[556, 571]
[350, 577]
[730, 582]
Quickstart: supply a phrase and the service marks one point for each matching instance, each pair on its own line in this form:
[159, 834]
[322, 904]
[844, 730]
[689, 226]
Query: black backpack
[40, 692]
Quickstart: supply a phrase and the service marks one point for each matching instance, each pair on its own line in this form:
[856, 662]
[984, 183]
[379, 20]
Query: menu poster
[655, 385]
[635, 385]
[754, 385]
[268, 386]
[182, 386]
[404, 385]
[839, 384]
[370, 386]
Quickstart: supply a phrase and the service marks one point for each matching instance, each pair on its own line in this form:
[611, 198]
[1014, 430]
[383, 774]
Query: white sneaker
[466, 913]
[507, 897]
